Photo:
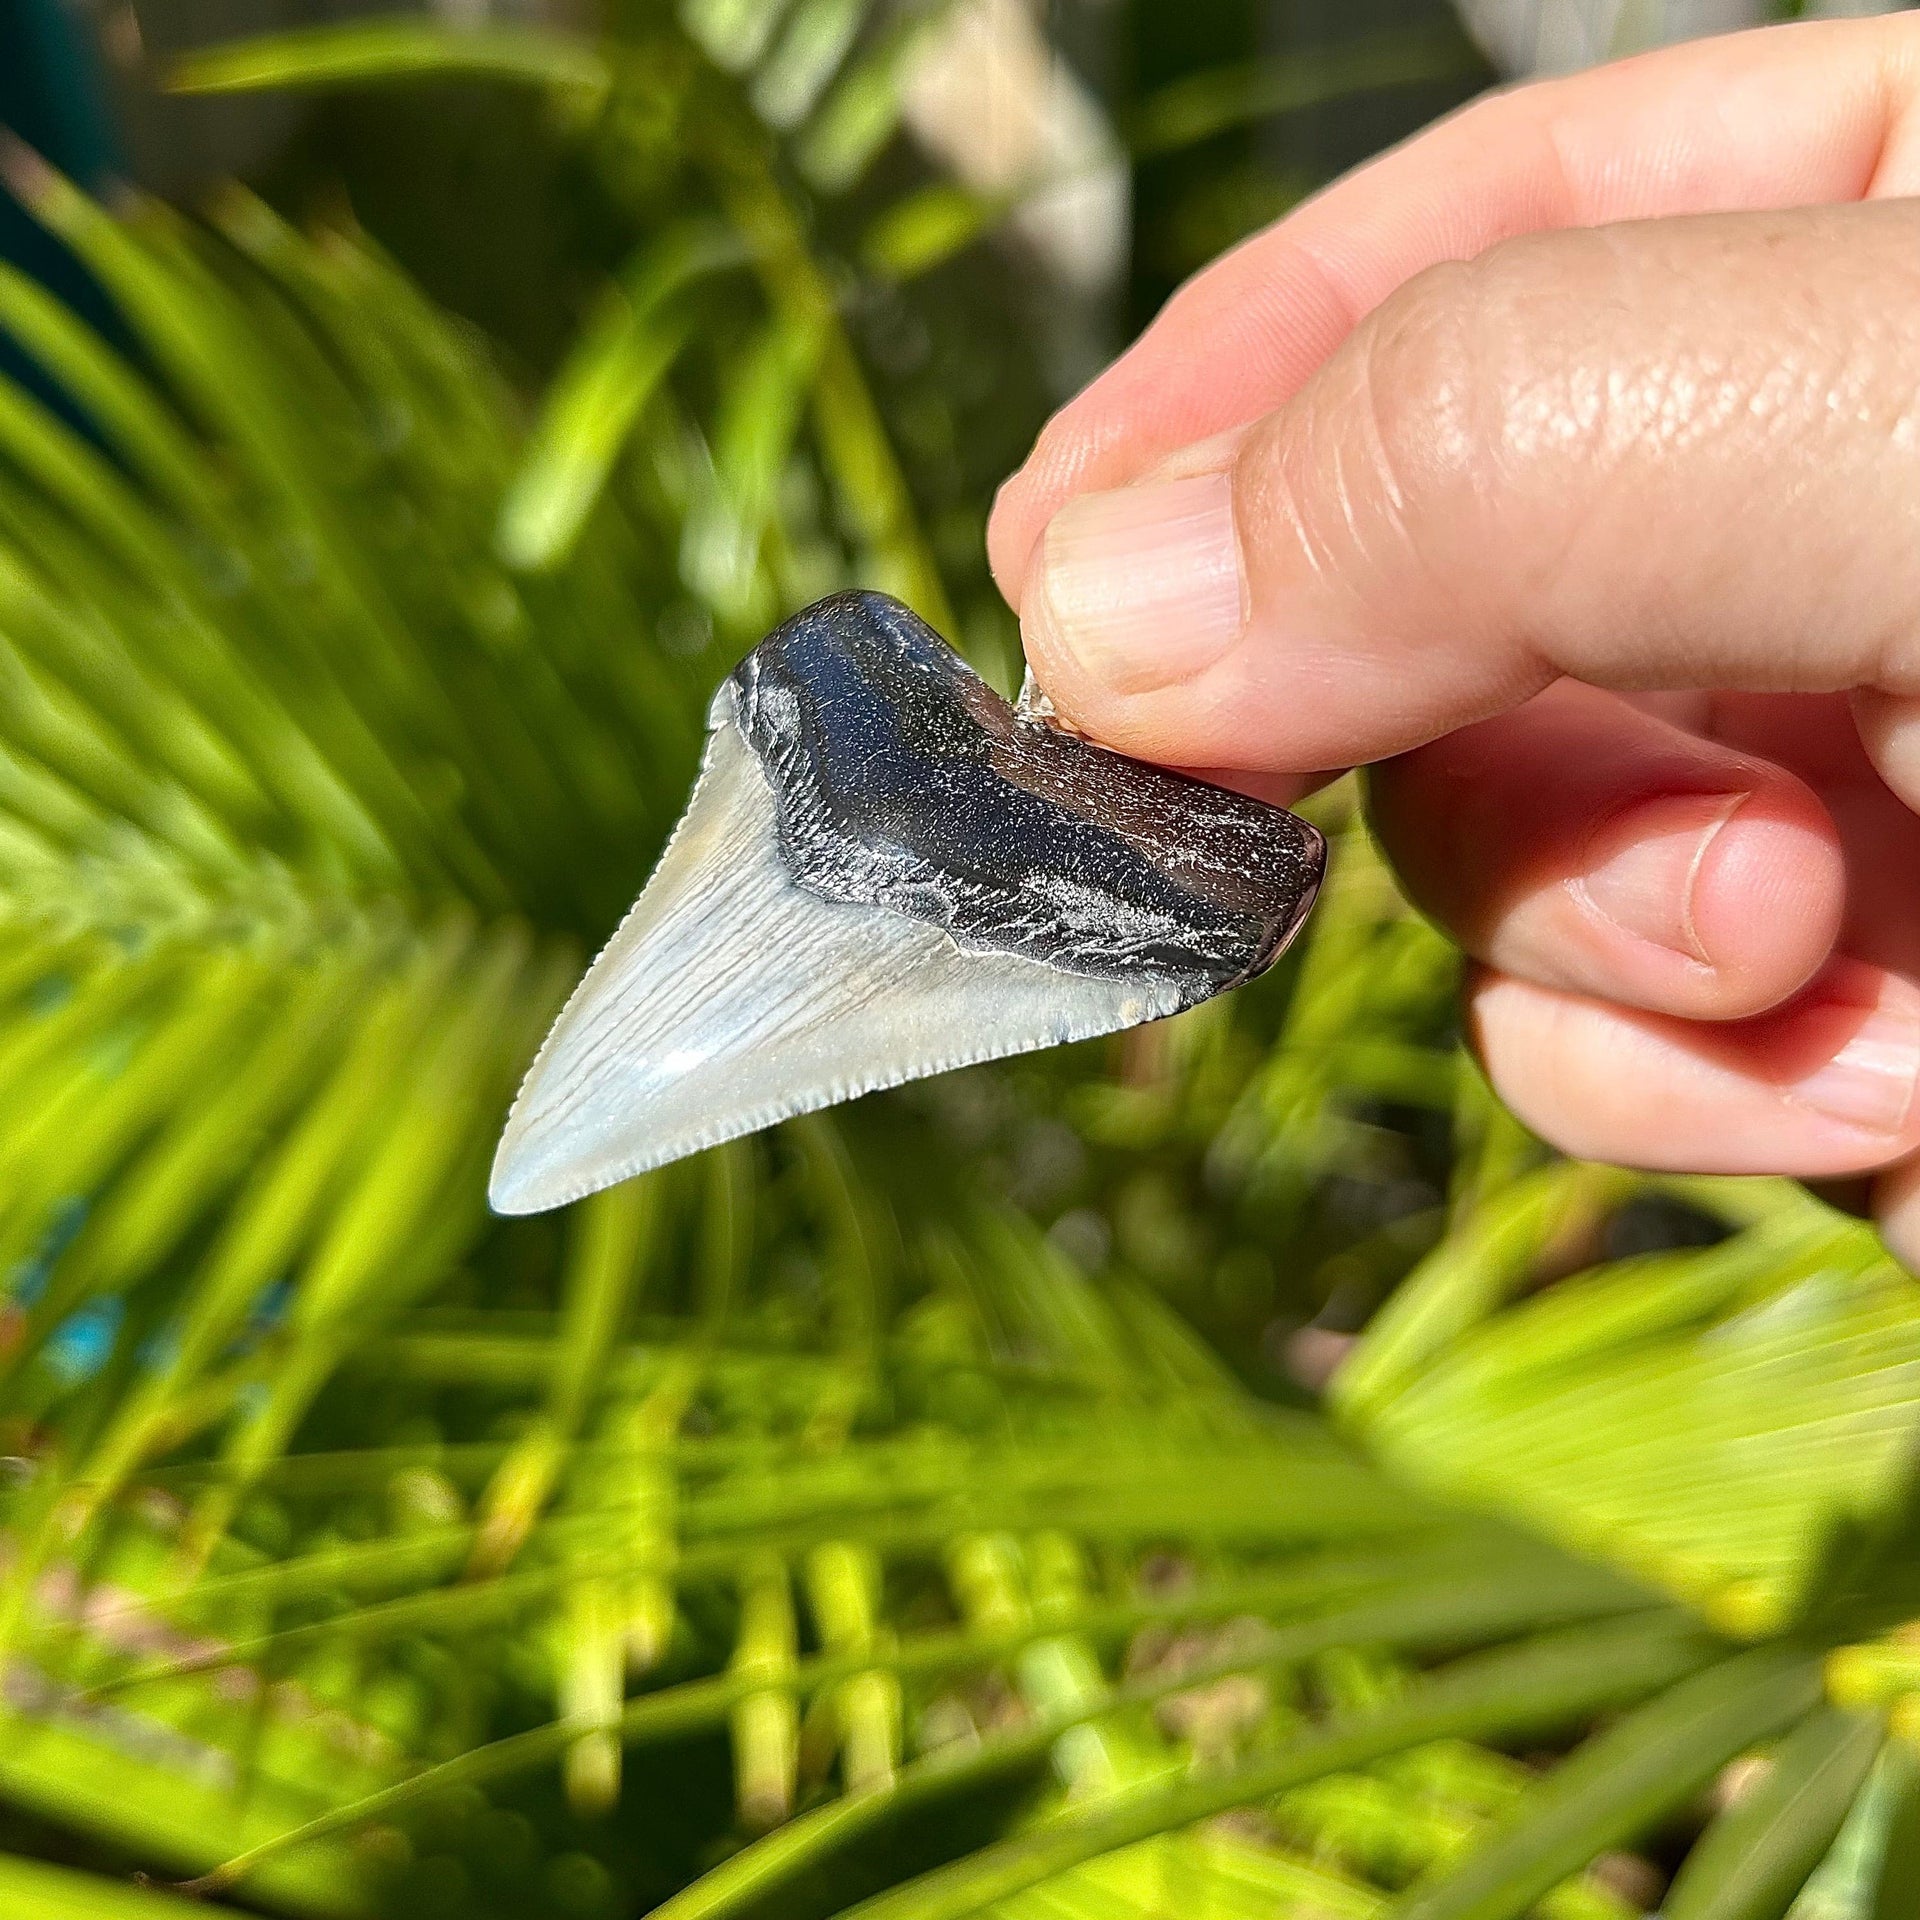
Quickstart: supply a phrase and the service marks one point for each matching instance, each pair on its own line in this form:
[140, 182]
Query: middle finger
[1588, 845]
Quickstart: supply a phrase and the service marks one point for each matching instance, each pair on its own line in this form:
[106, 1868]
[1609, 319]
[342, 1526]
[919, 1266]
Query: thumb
[1681, 453]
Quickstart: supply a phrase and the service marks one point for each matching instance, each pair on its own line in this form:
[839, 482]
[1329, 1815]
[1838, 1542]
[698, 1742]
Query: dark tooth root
[903, 780]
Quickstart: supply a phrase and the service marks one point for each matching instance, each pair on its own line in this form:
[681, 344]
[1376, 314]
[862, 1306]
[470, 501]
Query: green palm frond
[858, 1519]
[1747, 1401]
[669, 100]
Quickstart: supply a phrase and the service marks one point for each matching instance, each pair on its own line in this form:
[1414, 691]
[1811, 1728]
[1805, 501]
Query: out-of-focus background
[1229, 1470]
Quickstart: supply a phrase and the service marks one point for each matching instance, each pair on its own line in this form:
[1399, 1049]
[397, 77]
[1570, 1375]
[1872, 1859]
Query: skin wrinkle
[1652, 404]
[1905, 435]
[1399, 381]
[1437, 348]
[1343, 311]
[1683, 141]
[1335, 306]
[1529, 524]
[1567, 196]
[1262, 482]
[1893, 331]
[1367, 472]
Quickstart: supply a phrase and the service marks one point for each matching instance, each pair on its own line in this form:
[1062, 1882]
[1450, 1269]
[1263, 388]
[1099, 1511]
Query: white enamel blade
[729, 999]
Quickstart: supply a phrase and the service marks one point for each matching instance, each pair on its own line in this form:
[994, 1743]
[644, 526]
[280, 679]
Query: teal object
[52, 98]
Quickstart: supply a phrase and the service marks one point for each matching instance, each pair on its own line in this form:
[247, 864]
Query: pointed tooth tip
[517, 1186]
[513, 1197]
[504, 1204]
[529, 1176]
[547, 1158]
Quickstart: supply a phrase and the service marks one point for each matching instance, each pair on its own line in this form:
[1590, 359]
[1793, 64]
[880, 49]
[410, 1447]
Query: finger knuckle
[1419, 359]
[1487, 424]
[1445, 390]
[1468, 367]
[1392, 468]
[1332, 478]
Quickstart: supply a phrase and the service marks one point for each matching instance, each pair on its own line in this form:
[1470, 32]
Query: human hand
[1605, 546]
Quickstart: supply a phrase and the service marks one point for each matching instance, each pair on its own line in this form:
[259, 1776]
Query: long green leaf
[1897, 1872]
[621, 357]
[33, 1890]
[1756, 1856]
[362, 51]
[1623, 1780]
[1536, 1688]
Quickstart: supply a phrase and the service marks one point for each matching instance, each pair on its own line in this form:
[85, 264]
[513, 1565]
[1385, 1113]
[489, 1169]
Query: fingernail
[1869, 1083]
[1647, 885]
[1143, 585]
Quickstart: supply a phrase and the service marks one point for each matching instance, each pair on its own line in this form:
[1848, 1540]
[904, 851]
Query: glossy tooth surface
[885, 872]
[730, 999]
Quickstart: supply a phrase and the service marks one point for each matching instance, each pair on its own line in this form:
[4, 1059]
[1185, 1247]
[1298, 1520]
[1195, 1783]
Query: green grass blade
[115, 398]
[1756, 1856]
[1535, 1688]
[862, 110]
[1465, 1279]
[363, 51]
[859, 457]
[613, 1232]
[33, 1890]
[1896, 1893]
[796, 71]
[1432, 1615]
[600, 391]
[925, 229]
[1623, 1781]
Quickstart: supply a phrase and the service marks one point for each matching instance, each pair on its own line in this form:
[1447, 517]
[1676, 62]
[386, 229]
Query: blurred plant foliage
[895, 1514]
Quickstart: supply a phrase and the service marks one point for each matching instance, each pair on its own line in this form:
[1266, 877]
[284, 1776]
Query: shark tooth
[886, 871]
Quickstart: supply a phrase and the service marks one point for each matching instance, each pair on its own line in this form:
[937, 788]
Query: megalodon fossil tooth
[885, 871]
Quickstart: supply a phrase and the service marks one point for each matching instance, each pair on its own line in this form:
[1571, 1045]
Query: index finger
[1785, 116]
